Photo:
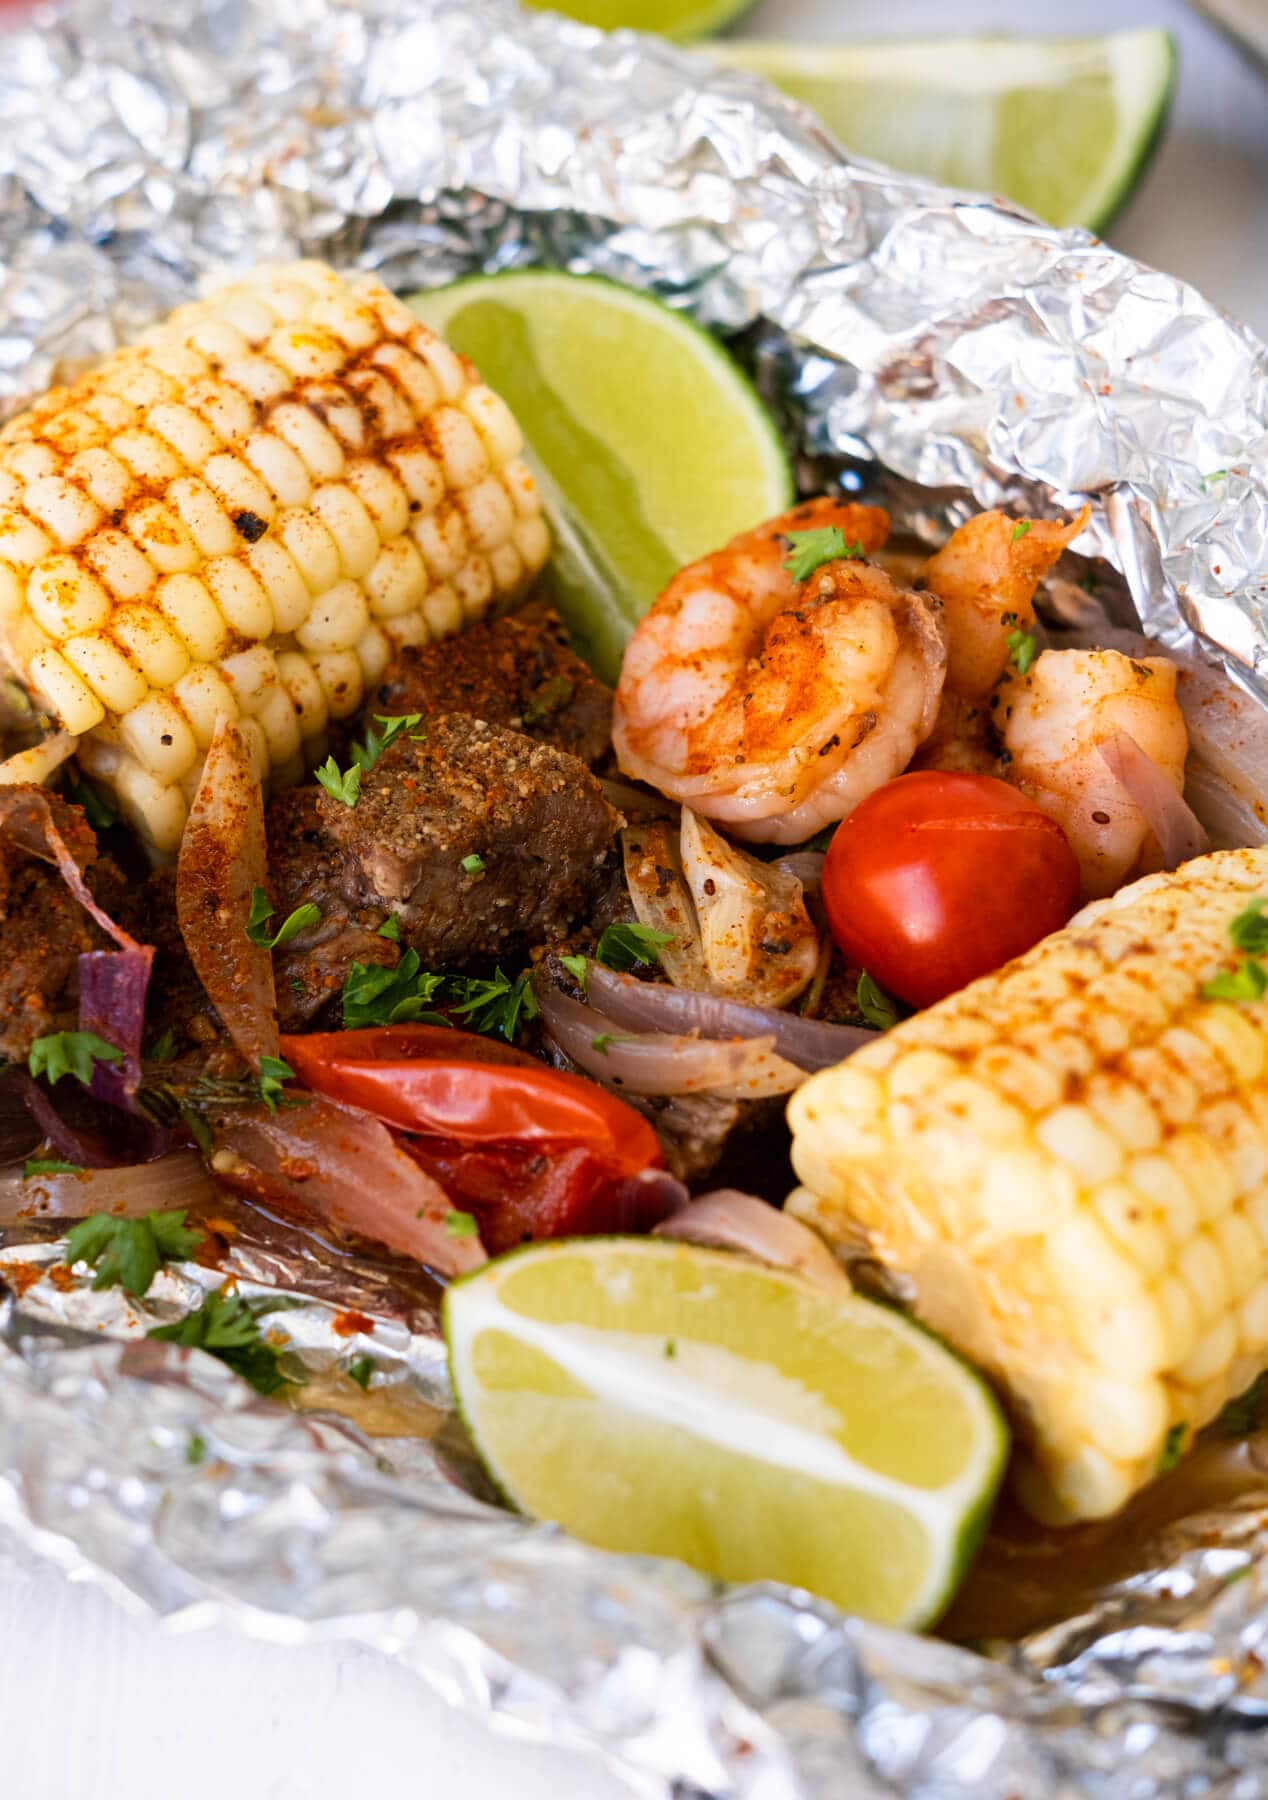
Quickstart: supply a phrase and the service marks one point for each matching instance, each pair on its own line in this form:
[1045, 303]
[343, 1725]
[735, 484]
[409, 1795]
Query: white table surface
[97, 1703]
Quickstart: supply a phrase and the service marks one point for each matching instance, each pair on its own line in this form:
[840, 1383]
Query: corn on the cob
[1065, 1170]
[244, 513]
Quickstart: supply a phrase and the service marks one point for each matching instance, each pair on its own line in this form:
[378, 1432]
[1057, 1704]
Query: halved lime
[658, 1398]
[1064, 126]
[672, 18]
[653, 446]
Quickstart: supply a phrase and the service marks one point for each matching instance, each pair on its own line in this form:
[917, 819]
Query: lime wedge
[1063, 126]
[662, 1399]
[652, 446]
[672, 18]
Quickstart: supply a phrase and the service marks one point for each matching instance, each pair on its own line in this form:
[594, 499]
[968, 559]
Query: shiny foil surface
[948, 350]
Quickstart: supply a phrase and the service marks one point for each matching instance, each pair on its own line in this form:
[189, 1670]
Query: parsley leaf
[1245, 1412]
[1020, 529]
[99, 809]
[461, 1224]
[577, 967]
[875, 1004]
[391, 929]
[226, 1325]
[551, 697]
[261, 912]
[376, 742]
[70, 1053]
[273, 1074]
[1173, 1447]
[196, 1449]
[163, 1049]
[1249, 930]
[1248, 981]
[811, 549]
[361, 1370]
[493, 1007]
[1023, 647]
[373, 995]
[127, 1253]
[606, 1039]
[48, 1165]
[473, 864]
[621, 947]
[338, 784]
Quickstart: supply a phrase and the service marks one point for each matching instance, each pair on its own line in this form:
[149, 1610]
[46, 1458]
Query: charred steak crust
[482, 842]
[516, 671]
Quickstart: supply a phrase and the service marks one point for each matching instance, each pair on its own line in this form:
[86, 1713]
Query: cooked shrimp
[775, 706]
[985, 576]
[1051, 721]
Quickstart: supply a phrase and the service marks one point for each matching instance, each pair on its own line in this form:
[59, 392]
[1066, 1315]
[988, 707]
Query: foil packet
[943, 350]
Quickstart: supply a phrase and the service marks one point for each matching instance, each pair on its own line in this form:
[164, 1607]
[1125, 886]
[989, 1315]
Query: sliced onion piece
[39, 762]
[805, 866]
[662, 900]
[731, 1220]
[1180, 835]
[344, 1166]
[654, 1006]
[657, 1062]
[221, 859]
[129, 1191]
[758, 942]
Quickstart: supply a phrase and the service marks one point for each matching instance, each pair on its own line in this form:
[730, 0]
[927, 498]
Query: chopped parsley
[128, 1253]
[623, 947]
[295, 922]
[875, 1004]
[273, 1074]
[196, 1449]
[1019, 530]
[99, 809]
[48, 1165]
[461, 1225]
[391, 929]
[1173, 1447]
[1249, 934]
[163, 1049]
[577, 967]
[340, 784]
[361, 1370]
[493, 1007]
[1245, 1412]
[228, 1327]
[551, 697]
[374, 995]
[473, 864]
[1023, 647]
[376, 742]
[605, 1040]
[70, 1053]
[811, 549]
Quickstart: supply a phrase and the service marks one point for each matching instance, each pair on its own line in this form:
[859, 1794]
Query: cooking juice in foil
[937, 351]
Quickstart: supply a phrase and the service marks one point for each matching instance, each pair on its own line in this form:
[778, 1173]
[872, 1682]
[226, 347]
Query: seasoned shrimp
[985, 576]
[775, 706]
[1052, 721]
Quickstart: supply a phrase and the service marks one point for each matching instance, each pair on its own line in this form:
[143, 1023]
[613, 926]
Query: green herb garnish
[1249, 934]
[473, 864]
[376, 742]
[99, 809]
[493, 1007]
[1249, 930]
[1173, 1447]
[875, 1004]
[196, 1449]
[163, 1049]
[577, 967]
[273, 1074]
[1019, 530]
[461, 1224]
[70, 1053]
[361, 1370]
[391, 929]
[1245, 1412]
[227, 1326]
[128, 1253]
[339, 783]
[295, 922]
[373, 995]
[626, 946]
[551, 697]
[811, 549]
[49, 1165]
[1023, 647]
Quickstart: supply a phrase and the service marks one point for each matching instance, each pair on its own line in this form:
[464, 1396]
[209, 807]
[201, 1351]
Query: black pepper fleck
[250, 526]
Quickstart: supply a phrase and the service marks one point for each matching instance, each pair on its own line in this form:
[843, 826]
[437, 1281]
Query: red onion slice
[654, 1006]
[221, 859]
[659, 1063]
[731, 1220]
[130, 1191]
[1179, 833]
[344, 1166]
[805, 866]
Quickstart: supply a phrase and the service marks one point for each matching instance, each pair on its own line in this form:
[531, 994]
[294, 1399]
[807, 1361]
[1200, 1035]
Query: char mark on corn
[1065, 1170]
[248, 512]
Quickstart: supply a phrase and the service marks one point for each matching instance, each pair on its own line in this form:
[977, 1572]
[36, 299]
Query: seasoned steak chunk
[44, 931]
[481, 842]
[305, 864]
[515, 671]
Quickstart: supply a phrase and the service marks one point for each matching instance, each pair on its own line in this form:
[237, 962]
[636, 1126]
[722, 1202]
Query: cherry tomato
[531, 1151]
[937, 878]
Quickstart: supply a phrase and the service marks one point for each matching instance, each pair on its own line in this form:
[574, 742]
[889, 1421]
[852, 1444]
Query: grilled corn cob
[1064, 1168]
[244, 513]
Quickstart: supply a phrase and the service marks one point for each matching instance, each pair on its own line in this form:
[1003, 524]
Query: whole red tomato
[938, 878]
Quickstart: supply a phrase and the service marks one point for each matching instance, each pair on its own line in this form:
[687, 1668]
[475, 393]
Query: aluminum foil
[941, 348]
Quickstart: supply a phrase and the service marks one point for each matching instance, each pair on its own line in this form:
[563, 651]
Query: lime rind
[952, 1516]
[917, 76]
[696, 19]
